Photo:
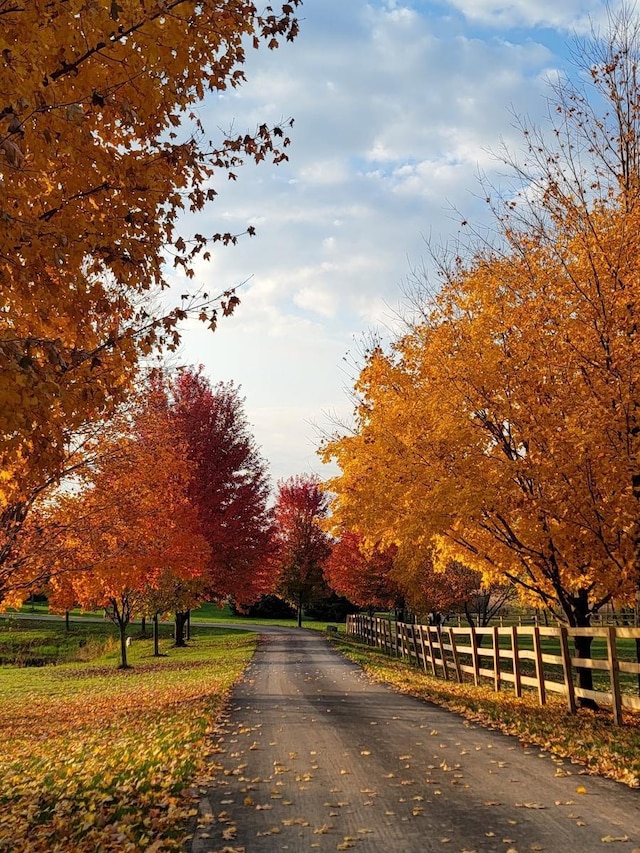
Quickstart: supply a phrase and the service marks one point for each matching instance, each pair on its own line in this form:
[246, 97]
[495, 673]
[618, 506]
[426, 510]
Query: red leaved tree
[229, 488]
[133, 529]
[301, 545]
[363, 576]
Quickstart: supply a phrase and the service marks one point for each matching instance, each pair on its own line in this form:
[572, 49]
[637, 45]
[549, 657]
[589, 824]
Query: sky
[399, 108]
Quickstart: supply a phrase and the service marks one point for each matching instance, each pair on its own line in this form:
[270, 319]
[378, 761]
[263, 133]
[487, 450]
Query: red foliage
[364, 578]
[301, 545]
[229, 486]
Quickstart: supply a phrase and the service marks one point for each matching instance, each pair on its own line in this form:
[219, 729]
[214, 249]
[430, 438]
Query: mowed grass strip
[587, 739]
[96, 758]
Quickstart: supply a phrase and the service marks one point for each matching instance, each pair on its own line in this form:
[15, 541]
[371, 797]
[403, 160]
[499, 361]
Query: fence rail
[523, 657]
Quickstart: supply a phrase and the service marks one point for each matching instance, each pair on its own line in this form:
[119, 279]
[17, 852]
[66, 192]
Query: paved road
[314, 756]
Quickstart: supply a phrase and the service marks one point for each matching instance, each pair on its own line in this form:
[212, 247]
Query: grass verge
[588, 738]
[96, 758]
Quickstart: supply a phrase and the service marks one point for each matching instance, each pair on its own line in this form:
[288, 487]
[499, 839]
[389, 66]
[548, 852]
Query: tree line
[500, 429]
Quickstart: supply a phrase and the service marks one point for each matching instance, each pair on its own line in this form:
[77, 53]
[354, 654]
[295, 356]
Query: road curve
[312, 755]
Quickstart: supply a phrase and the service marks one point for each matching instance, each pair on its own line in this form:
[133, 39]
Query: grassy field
[96, 758]
[587, 738]
[205, 613]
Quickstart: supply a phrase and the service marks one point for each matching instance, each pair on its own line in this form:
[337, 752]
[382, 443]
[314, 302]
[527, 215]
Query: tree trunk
[123, 644]
[181, 621]
[156, 643]
[188, 625]
[66, 620]
[582, 619]
[299, 608]
[585, 674]
[143, 626]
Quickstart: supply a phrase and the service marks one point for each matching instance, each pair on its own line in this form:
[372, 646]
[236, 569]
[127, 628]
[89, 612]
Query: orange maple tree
[101, 149]
[132, 536]
[502, 429]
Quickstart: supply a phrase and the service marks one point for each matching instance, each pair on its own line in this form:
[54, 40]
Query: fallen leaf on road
[581, 789]
[608, 838]
[529, 806]
[275, 830]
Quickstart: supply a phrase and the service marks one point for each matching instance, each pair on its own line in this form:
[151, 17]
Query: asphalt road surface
[312, 755]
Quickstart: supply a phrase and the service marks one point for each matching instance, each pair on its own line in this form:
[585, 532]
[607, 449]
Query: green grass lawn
[96, 758]
[209, 612]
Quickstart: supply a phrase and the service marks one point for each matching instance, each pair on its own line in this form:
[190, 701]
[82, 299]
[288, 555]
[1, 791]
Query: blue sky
[397, 107]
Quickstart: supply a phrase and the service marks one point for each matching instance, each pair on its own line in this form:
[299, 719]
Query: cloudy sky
[397, 107]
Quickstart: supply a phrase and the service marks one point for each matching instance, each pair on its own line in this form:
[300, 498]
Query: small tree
[301, 546]
[228, 487]
[133, 527]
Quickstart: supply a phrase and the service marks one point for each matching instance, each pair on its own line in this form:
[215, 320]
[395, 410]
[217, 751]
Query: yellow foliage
[99, 154]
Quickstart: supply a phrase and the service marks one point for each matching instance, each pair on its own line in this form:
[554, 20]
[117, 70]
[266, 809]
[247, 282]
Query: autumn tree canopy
[229, 486]
[502, 429]
[301, 547]
[100, 152]
[131, 538]
[362, 575]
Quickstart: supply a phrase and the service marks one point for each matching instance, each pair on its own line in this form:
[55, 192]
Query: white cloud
[568, 15]
[395, 112]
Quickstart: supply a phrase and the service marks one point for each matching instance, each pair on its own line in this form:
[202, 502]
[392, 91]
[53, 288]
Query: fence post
[474, 656]
[432, 654]
[415, 643]
[542, 693]
[454, 653]
[517, 681]
[496, 660]
[424, 652]
[401, 638]
[566, 666]
[614, 674]
[443, 658]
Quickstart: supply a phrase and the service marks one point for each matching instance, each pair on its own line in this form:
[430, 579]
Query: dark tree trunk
[582, 619]
[181, 621]
[585, 674]
[122, 626]
[188, 625]
[156, 643]
[66, 620]
[299, 610]
[143, 626]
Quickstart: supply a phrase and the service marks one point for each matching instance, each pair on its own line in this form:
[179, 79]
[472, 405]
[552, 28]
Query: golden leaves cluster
[99, 154]
[503, 428]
